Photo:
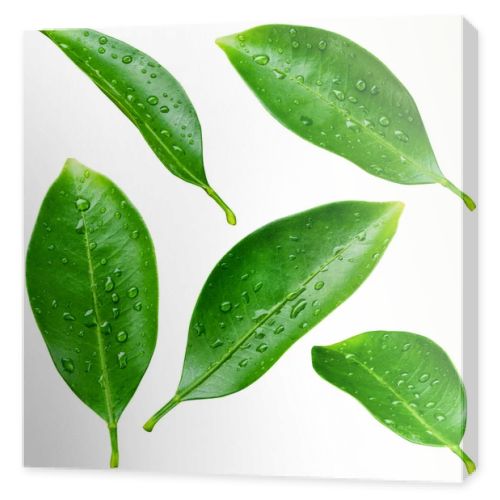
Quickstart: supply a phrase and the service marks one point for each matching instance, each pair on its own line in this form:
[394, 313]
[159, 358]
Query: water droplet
[295, 294]
[352, 125]
[401, 136]
[384, 121]
[164, 109]
[216, 343]
[257, 286]
[388, 421]
[279, 329]
[305, 120]
[89, 319]
[322, 45]
[424, 377]
[280, 75]
[109, 284]
[440, 417]
[134, 235]
[116, 312]
[374, 90]
[298, 308]
[126, 59]
[177, 149]
[199, 329]
[245, 297]
[152, 100]
[243, 363]
[103, 40]
[261, 59]
[319, 285]
[115, 298]
[361, 85]
[101, 50]
[68, 365]
[430, 404]
[122, 359]
[105, 327]
[406, 347]
[138, 306]
[64, 260]
[82, 204]
[132, 292]
[339, 94]
[262, 348]
[244, 276]
[295, 44]
[226, 306]
[300, 78]
[375, 256]
[68, 316]
[122, 336]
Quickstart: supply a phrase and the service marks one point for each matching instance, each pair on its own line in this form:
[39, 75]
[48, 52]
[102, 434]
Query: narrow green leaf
[272, 288]
[93, 288]
[148, 95]
[406, 381]
[337, 95]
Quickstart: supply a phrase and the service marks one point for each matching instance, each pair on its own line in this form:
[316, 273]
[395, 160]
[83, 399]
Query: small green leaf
[272, 288]
[337, 95]
[405, 380]
[93, 288]
[148, 95]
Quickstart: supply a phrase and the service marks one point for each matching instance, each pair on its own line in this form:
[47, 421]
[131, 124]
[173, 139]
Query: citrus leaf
[148, 95]
[406, 381]
[92, 285]
[272, 288]
[335, 94]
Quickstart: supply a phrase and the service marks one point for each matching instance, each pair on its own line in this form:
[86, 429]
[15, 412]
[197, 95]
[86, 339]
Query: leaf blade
[406, 381]
[335, 94]
[99, 321]
[152, 99]
[273, 287]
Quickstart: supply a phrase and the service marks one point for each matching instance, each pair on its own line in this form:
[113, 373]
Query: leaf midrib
[234, 348]
[100, 343]
[124, 106]
[407, 406]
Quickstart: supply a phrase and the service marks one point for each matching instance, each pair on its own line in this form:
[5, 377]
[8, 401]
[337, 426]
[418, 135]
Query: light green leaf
[93, 287]
[148, 95]
[272, 288]
[406, 381]
[339, 96]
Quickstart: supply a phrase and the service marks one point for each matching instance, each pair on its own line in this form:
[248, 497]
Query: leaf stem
[469, 202]
[469, 463]
[149, 425]
[113, 435]
[230, 217]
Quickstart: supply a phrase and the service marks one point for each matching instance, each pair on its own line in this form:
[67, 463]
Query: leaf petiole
[468, 462]
[149, 425]
[230, 217]
[113, 436]
[469, 202]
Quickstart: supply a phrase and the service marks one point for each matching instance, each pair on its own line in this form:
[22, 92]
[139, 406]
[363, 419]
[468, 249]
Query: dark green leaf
[92, 284]
[148, 95]
[338, 96]
[273, 287]
[406, 381]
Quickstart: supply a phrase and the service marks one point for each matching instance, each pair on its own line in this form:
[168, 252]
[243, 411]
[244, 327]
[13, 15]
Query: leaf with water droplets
[241, 327]
[148, 95]
[337, 95]
[406, 381]
[85, 306]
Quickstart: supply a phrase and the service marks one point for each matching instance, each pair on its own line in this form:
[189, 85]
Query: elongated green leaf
[405, 380]
[92, 284]
[338, 96]
[273, 287]
[148, 95]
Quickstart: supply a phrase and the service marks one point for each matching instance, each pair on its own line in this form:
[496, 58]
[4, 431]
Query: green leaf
[405, 380]
[272, 288]
[338, 96]
[93, 288]
[148, 95]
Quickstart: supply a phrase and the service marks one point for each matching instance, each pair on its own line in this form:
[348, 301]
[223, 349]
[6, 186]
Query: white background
[290, 422]
[81, 484]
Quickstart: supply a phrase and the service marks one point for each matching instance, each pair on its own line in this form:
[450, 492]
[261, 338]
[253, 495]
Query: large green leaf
[273, 287]
[148, 95]
[338, 96]
[92, 284]
[405, 380]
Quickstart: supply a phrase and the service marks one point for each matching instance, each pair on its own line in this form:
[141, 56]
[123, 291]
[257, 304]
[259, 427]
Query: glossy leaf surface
[337, 95]
[92, 284]
[148, 95]
[406, 381]
[273, 287]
